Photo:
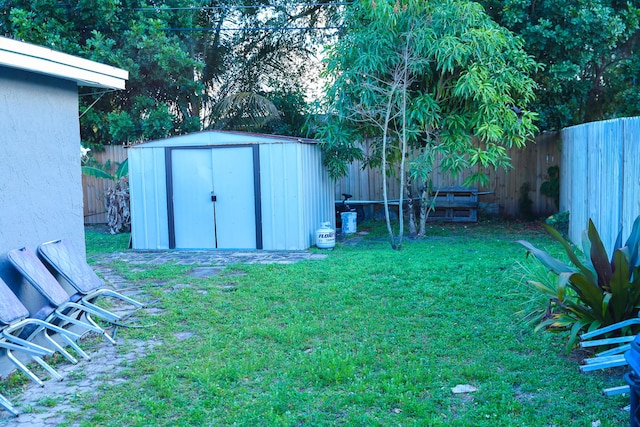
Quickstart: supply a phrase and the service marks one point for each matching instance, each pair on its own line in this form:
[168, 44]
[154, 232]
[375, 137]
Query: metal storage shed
[228, 190]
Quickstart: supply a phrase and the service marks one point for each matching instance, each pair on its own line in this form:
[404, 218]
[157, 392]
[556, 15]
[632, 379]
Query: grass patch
[100, 241]
[366, 337]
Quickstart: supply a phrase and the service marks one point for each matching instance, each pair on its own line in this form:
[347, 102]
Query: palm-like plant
[595, 290]
[244, 111]
[116, 196]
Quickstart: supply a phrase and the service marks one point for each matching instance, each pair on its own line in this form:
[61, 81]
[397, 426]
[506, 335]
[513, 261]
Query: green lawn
[366, 337]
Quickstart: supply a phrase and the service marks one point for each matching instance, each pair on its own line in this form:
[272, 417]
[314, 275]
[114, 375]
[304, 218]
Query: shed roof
[37, 59]
[219, 137]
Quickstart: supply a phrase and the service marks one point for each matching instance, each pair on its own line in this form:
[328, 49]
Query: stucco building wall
[40, 175]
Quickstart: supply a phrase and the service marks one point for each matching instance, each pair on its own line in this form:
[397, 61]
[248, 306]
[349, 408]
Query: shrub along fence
[600, 178]
[511, 193]
[94, 189]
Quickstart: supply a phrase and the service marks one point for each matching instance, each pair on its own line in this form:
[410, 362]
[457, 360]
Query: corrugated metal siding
[317, 192]
[290, 172]
[281, 198]
[296, 195]
[602, 179]
[147, 185]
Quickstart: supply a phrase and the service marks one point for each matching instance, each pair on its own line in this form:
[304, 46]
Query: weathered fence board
[601, 182]
[502, 195]
[631, 176]
[95, 188]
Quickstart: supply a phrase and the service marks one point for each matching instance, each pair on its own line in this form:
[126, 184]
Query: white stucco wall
[40, 175]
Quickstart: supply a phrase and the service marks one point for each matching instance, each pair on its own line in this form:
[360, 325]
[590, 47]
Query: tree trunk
[424, 206]
[385, 133]
[385, 198]
[410, 206]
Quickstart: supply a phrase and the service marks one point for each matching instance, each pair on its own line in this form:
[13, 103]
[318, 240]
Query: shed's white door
[213, 198]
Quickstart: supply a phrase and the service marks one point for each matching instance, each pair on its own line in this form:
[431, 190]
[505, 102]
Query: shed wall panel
[147, 185]
[292, 207]
[318, 194]
[281, 208]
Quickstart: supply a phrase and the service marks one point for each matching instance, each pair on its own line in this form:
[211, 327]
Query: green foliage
[182, 60]
[560, 222]
[466, 74]
[292, 108]
[525, 204]
[104, 171]
[589, 52]
[551, 187]
[116, 202]
[161, 89]
[604, 290]
[437, 85]
[245, 111]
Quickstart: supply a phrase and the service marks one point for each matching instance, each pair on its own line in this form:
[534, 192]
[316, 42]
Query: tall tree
[192, 66]
[162, 94]
[589, 49]
[270, 51]
[414, 78]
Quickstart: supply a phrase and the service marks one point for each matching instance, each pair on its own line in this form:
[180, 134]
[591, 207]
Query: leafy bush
[560, 222]
[595, 290]
[551, 188]
[116, 200]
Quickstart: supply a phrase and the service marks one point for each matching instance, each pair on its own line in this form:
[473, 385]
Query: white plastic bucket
[349, 220]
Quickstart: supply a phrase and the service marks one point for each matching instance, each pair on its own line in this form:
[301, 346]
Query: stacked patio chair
[19, 331]
[8, 406]
[62, 314]
[68, 262]
[64, 309]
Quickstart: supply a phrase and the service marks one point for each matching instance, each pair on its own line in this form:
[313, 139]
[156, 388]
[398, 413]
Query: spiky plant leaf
[95, 172]
[123, 170]
[599, 258]
[619, 284]
[542, 288]
[633, 243]
[575, 331]
[589, 292]
[550, 262]
[570, 253]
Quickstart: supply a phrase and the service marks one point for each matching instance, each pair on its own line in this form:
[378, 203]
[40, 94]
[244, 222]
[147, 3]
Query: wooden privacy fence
[94, 189]
[503, 194]
[600, 178]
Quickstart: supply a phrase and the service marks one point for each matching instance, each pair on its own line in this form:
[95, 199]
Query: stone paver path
[48, 405]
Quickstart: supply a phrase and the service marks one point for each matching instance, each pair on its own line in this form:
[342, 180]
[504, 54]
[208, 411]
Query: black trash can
[633, 379]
